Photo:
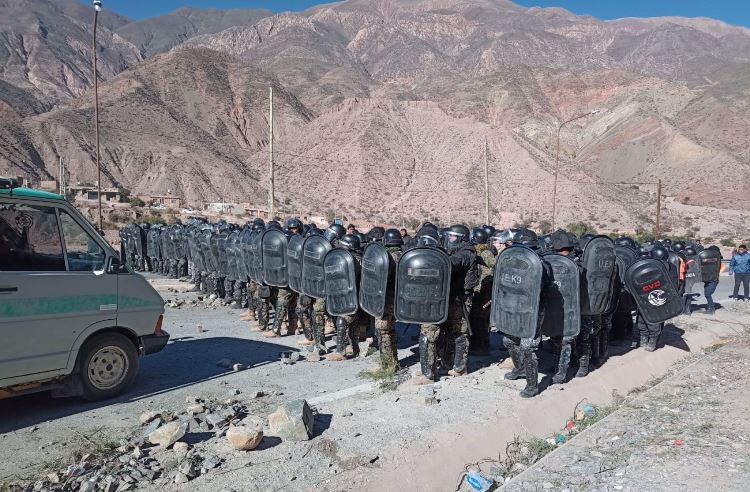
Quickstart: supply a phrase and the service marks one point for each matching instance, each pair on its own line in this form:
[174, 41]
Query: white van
[73, 318]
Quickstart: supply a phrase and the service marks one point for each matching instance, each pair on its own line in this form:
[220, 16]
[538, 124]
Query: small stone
[53, 478]
[295, 357]
[188, 468]
[347, 414]
[137, 452]
[431, 400]
[211, 462]
[199, 327]
[245, 437]
[195, 409]
[428, 390]
[110, 486]
[548, 485]
[193, 399]
[313, 356]
[293, 421]
[194, 425]
[151, 427]
[181, 447]
[147, 417]
[87, 486]
[238, 367]
[168, 434]
[181, 477]
[233, 392]
[214, 419]
[226, 363]
[518, 467]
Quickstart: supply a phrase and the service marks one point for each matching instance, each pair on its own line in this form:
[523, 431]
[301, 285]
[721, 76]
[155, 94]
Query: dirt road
[365, 437]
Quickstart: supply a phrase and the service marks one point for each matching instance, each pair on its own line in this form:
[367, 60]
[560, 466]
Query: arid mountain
[383, 108]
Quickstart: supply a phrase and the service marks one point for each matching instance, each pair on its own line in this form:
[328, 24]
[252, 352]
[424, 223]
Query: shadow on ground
[183, 362]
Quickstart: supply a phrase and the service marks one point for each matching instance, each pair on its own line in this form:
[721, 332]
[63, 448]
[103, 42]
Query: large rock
[293, 421]
[245, 437]
[168, 434]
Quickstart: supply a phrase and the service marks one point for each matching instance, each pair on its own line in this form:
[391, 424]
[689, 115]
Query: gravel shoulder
[689, 432]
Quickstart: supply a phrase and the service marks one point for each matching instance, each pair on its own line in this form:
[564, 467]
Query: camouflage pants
[267, 297]
[286, 301]
[347, 329]
[561, 349]
[239, 295]
[172, 268]
[228, 289]
[385, 329]
[182, 267]
[454, 331]
[523, 354]
[319, 323]
[216, 281]
[304, 312]
[600, 339]
[583, 341]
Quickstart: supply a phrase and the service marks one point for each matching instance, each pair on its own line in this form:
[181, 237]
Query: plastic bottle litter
[589, 410]
[479, 482]
[560, 439]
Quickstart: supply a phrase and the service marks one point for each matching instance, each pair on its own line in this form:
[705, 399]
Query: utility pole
[557, 159]
[270, 147]
[657, 232]
[97, 8]
[62, 178]
[486, 186]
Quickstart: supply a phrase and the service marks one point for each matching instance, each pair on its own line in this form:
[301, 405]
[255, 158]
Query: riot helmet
[294, 224]
[392, 237]
[350, 242]
[456, 236]
[562, 241]
[489, 230]
[625, 241]
[479, 236]
[363, 239]
[660, 253]
[689, 251]
[334, 232]
[643, 251]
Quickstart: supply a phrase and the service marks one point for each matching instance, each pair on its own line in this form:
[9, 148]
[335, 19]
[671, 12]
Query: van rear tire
[109, 364]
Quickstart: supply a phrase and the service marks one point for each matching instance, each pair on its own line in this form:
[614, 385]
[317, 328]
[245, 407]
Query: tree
[124, 194]
[581, 228]
[137, 202]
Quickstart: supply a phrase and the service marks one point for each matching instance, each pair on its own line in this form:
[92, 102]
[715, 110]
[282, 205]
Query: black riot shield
[273, 250]
[516, 290]
[233, 256]
[710, 260]
[693, 275]
[243, 263]
[341, 282]
[255, 257]
[674, 271]
[657, 298]
[294, 262]
[423, 279]
[376, 263]
[562, 298]
[196, 254]
[598, 262]
[314, 251]
[625, 257]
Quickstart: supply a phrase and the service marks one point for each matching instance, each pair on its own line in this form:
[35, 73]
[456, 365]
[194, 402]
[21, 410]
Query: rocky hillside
[383, 108]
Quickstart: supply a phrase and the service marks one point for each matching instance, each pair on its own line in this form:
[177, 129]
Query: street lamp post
[557, 160]
[97, 9]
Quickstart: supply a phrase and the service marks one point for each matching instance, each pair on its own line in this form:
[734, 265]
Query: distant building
[168, 201]
[51, 185]
[80, 192]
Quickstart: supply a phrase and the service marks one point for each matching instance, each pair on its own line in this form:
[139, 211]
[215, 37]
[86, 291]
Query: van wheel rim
[108, 367]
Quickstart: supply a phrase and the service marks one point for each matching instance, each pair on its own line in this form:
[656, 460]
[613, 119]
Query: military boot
[583, 366]
[650, 346]
[518, 371]
[461, 356]
[532, 376]
[563, 362]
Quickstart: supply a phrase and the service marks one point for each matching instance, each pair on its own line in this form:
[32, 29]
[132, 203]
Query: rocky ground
[364, 434]
[689, 432]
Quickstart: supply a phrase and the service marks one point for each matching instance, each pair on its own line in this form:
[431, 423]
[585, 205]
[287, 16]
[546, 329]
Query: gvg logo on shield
[657, 298]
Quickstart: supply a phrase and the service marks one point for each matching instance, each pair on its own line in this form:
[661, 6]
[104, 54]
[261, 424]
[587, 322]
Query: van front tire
[109, 364]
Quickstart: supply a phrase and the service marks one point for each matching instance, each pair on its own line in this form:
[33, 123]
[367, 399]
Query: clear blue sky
[731, 11]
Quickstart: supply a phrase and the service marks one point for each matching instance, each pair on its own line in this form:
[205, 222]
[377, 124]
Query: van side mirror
[115, 267]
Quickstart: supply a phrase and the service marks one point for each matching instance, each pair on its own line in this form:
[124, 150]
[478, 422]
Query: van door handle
[8, 290]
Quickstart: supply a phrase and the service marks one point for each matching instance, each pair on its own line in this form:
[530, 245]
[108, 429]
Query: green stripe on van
[45, 306]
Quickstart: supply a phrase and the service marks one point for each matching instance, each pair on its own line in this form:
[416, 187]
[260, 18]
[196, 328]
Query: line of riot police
[457, 284]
